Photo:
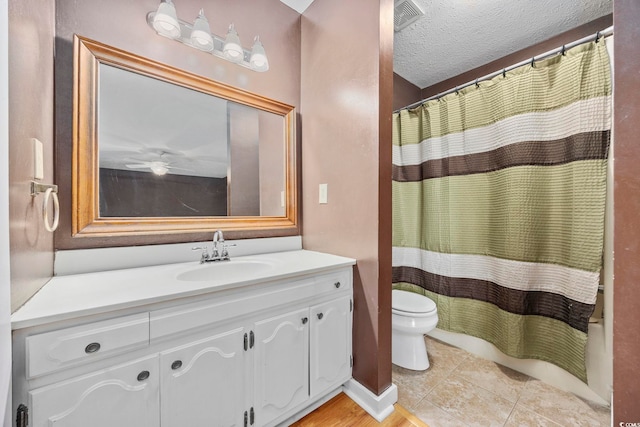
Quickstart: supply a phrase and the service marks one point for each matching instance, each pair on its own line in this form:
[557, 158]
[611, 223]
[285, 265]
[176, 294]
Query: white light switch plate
[38, 159]
[323, 193]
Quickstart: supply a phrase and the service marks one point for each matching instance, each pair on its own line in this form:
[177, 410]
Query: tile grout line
[449, 375]
[524, 388]
[528, 408]
[445, 377]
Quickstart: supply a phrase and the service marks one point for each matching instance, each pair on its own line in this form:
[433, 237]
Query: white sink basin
[224, 270]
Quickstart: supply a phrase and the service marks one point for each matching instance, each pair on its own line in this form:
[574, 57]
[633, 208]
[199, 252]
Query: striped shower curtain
[498, 205]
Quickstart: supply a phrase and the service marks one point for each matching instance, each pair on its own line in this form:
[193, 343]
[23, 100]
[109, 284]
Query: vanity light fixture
[166, 23]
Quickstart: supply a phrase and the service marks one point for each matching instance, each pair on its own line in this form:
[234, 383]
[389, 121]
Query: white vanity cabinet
[281, 364]
[125, 396]
[330, 344]
[253, 355]
[203, 382]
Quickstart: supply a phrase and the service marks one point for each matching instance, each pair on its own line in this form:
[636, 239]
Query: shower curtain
[498, 204]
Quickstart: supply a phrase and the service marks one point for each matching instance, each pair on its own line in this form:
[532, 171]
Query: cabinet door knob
[176, 365]
[320, 316]
[337, 285]
[92, 348]
[305, 320]
[143, 375]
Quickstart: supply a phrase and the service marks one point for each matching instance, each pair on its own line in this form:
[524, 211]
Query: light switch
[38, 159]
[323, 194]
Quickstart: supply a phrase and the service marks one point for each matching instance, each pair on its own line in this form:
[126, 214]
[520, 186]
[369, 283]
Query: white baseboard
[379, 407]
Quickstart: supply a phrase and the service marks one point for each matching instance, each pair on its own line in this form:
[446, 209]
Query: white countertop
[66, 297]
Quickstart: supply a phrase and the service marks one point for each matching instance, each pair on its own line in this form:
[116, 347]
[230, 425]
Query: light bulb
[165, 21]
[201, 33]
[232, 49]
[159, 168]
[259, 61]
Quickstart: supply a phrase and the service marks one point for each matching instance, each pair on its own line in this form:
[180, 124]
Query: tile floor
[461, 389]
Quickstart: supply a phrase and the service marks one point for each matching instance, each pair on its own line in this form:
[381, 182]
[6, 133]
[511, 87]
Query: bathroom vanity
[247, 342]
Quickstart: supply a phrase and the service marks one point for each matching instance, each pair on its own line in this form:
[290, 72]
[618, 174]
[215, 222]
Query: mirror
[160, 150]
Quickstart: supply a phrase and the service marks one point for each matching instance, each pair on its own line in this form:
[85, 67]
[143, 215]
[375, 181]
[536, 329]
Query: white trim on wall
[5, 277]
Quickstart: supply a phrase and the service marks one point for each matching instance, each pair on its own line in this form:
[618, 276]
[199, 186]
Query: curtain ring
[504, 73]
[533, 62]
[56, 210]
[597, 36]
[477, 85]
[564, 51]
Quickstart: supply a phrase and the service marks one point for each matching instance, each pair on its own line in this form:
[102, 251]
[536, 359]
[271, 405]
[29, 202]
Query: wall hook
[50, 192]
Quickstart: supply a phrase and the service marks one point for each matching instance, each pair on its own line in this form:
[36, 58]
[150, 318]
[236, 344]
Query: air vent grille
[405, 12]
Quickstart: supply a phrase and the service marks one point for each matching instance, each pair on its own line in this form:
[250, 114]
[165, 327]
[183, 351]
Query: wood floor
[341, 411]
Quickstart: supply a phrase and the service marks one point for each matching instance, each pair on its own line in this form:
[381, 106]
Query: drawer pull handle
[305, 320]
[337, 285]
[176, 365]
[92, 348]
[143, 375]
[320, 316]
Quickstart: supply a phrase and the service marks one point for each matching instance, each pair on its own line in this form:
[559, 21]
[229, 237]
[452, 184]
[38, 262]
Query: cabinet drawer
[336, 281]
[51, 351]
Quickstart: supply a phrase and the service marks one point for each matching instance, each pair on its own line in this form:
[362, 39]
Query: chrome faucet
[219, 250]
[218, 246]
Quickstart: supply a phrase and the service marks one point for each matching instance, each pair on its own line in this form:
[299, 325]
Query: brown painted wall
[31, 32]
[122, 23]
[626, 326]
[346, 127]
[404, 92]
[135, 193]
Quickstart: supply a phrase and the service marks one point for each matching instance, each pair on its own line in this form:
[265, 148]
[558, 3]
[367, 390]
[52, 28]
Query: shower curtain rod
[600, 34]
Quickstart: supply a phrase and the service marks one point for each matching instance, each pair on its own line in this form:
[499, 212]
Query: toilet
[412, 316]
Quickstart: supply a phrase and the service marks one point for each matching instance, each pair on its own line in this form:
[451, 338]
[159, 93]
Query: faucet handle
[224, 253]
[205, 253]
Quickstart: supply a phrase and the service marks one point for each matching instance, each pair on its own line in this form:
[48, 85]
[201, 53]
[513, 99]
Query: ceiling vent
[405, 12]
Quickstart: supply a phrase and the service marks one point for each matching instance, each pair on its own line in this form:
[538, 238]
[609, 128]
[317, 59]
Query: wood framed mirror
[158, 150]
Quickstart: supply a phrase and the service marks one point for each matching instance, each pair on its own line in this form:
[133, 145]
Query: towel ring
[50, 192]
[48, 195]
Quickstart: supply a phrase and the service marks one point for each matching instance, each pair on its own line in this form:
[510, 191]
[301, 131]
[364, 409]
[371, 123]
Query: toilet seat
[406, 303]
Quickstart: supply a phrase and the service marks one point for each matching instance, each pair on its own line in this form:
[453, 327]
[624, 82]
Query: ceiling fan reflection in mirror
[158, 167]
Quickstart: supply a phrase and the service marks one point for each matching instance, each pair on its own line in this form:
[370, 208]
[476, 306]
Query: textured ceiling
[455, 36]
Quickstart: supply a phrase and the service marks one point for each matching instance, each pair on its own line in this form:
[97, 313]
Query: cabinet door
[281, 364]
[330, 344]
[203, 382]
[123, 396]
